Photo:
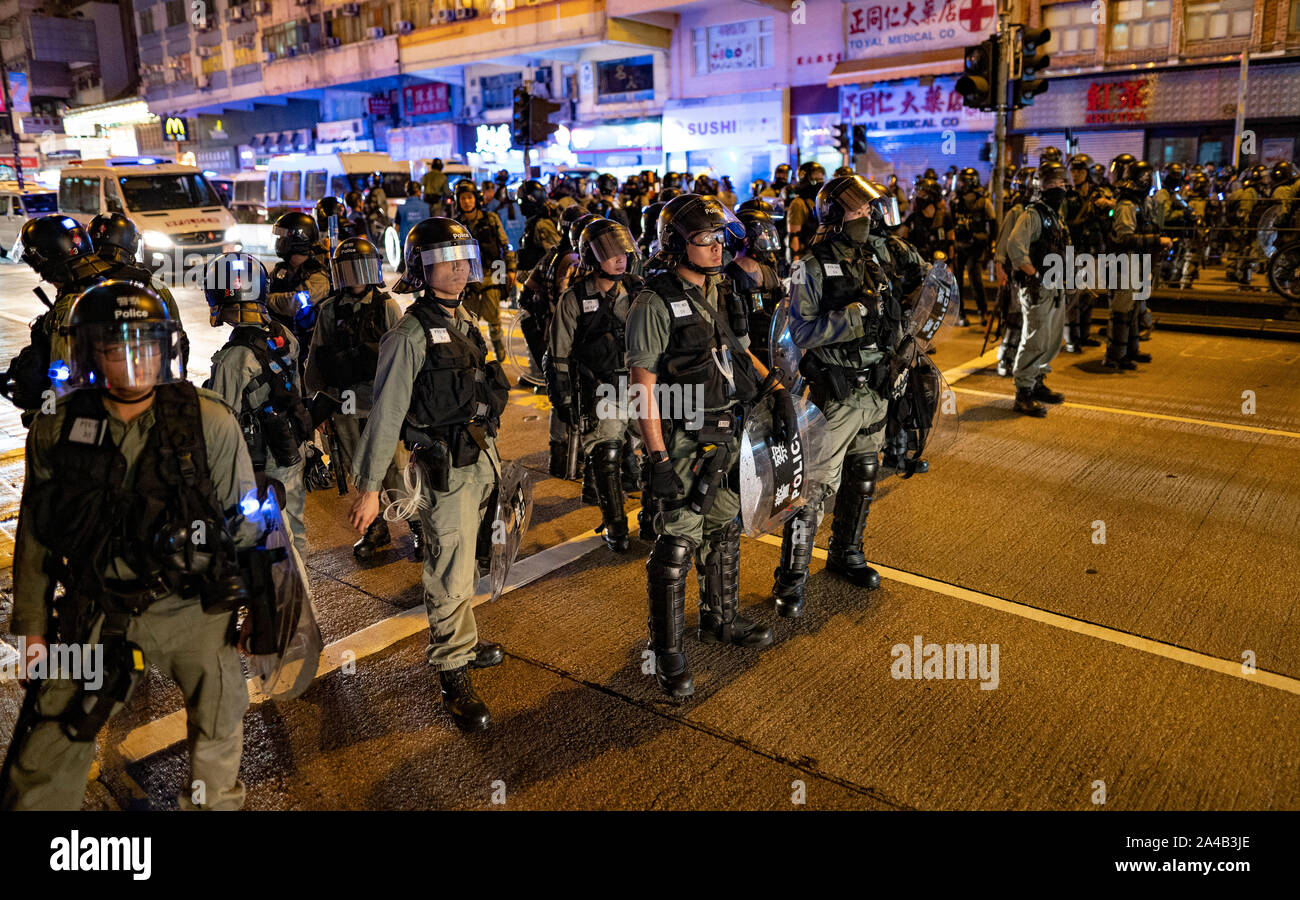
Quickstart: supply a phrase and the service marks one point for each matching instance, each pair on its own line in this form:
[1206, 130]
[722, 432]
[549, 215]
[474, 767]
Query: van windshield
[394, 183]
[40, 203]
[148, 193]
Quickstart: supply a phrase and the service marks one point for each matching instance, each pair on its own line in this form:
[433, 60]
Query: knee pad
[670, 558]
[606, 457]
[860, 473]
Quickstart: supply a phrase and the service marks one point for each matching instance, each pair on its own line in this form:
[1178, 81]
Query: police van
[295, 182]
[17, 205]
[173, 206]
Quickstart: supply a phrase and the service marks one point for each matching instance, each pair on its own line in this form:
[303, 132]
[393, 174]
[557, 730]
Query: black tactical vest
[530, 249]
[838, 291]
[279, 371]
[456, 385]
[689, 358]
[759, 299]
[88, 513]
[598, 337]
[1052, 236]
[483, 226]
[352, 354]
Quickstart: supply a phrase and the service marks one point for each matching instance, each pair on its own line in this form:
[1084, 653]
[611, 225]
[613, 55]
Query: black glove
[785, 419]
[661, 478]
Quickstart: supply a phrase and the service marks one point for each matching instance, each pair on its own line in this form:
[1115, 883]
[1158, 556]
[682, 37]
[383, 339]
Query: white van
[295, 182]
[172, 205]
[17, 206]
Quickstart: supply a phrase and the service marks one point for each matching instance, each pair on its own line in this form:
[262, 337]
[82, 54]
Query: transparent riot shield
[777, 475]
[783, 354]
[294, 641]
[1268, 230]
[923, 417]
[933, 302]
[514, 511]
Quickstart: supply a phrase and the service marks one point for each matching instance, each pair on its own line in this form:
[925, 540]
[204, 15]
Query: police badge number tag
[833, 269]
[439, 336]
[86, 431]
[681, 308]
[590, 304]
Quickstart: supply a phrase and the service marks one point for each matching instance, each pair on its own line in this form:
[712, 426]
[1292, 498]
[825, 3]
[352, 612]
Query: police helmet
[466, 186]
[234, 284]
[1174, 175]
[812, 173]
[685, 219]
[432, 241]
[357, 263]
[672, 180]
[884, 211]
[120, 338]
[295, 232]
[603, 240]
[844, 195]
[650, 219]
[968, 179]
[607, 183]
[1119, 167]
[114, 237]
[330, 206]
[1199, 184]
[1081, 161]
[1282, 173]
[1140, 177]
[58, 248]
[781, 173]
[669, 193]
[704, 185]
[1051, 171]
[576, 226]
[532, 198]
[757, 186]
[1049, 154]
[761, 235]
[502, 177]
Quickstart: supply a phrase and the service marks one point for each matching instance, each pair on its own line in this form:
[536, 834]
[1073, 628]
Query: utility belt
[439, 450]
[716, 426]
[839, 382]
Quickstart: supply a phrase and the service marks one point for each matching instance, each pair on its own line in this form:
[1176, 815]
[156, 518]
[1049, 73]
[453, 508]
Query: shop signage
[885, 27]
[342, 130]
[175, 128]
[1111, 102]
[380, 106]
[734, 46]
[908, 106]
[426, 99]
[724, 125]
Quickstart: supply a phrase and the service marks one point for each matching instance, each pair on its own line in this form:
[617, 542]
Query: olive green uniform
[483, 299]
[607, 422]
[174, 633]
[1043, 312]
[450, 519]
[285, 303]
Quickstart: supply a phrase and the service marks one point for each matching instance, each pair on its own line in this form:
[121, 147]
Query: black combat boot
[1117, 344]
[559, 459]
[1134, 351]
[1025, 403]
[417, 539]
[719, 577]
[1041, 391]
[845, 557]
[666, 570]
[376, 536]
[605, 462]
[486, 655]
[467, 709]
[796, 555]
[590, 496]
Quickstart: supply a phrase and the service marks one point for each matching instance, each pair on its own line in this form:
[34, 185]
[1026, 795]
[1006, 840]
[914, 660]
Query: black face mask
[1054, 197]
[857, 230]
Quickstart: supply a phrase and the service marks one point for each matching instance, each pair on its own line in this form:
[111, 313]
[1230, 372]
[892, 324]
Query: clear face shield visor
[452, 252]
[122, 356]
[358, 271]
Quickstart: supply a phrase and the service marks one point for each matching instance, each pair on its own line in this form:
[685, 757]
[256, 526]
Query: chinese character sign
[884, 27]
[426, 99]
[1117, 101]
[908, 106]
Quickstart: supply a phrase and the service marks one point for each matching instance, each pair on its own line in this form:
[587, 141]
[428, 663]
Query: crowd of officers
[656, 282]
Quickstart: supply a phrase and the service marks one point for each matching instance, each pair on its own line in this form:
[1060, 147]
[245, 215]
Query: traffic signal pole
[1002, 89]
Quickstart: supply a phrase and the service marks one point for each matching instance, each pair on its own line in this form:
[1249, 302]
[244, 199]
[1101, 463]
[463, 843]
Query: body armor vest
[598, 336]
[456, 386]
[690, 358]
[757, 300]
[972, 224]
[285, 407]
[838, 291]
[90, 513]
[352, 354]
[484, 226]
[1052, 235]
[530, 250]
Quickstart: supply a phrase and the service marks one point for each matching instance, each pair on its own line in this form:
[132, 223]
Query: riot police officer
[1243, 252]
[606, 202]
[117, 477]
[340, 372]
[649, 228]
[1131, 232]
[1037, 243]
[483, 299]
[58, 249]
[1022, 187]
[753, 277]
[1204, 212]
[678, 338]
[256, 373]
[540, 231]
[1087, 215]
[844, 318]
[300, 280]
[1119, 167]
[436, 390]
[928, 227]
[972, 215]
[801, 212]
[1171, 215]
[1284, 187]
[330, 207]
[588, 353]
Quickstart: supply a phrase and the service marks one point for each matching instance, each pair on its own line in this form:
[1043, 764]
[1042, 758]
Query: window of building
[316, 184]
[498, 90]
[1295, 15]
[146, 22]
[175, 12]
[1218, 19]
[1073, 30]
[625, 80]
[281, 39]
[734, 46]
[290, 185]
[1139, 24]
[213, 63]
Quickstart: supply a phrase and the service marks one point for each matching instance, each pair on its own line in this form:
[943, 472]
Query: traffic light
[1030, 60]
[859, 139]
[841, 137]
[539, 125]
[978, 87]
[520, 125]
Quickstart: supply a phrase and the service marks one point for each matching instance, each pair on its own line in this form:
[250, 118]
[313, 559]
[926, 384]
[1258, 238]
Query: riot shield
[923, 415]
[932, 303]
[294, 641]
[782, 352]
[513, 512]
[1268, 230]
[778, 476]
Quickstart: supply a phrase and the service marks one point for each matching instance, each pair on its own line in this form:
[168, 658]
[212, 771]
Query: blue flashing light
[303, 298]
[59, 371]
[91, 377]
[249, 505]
